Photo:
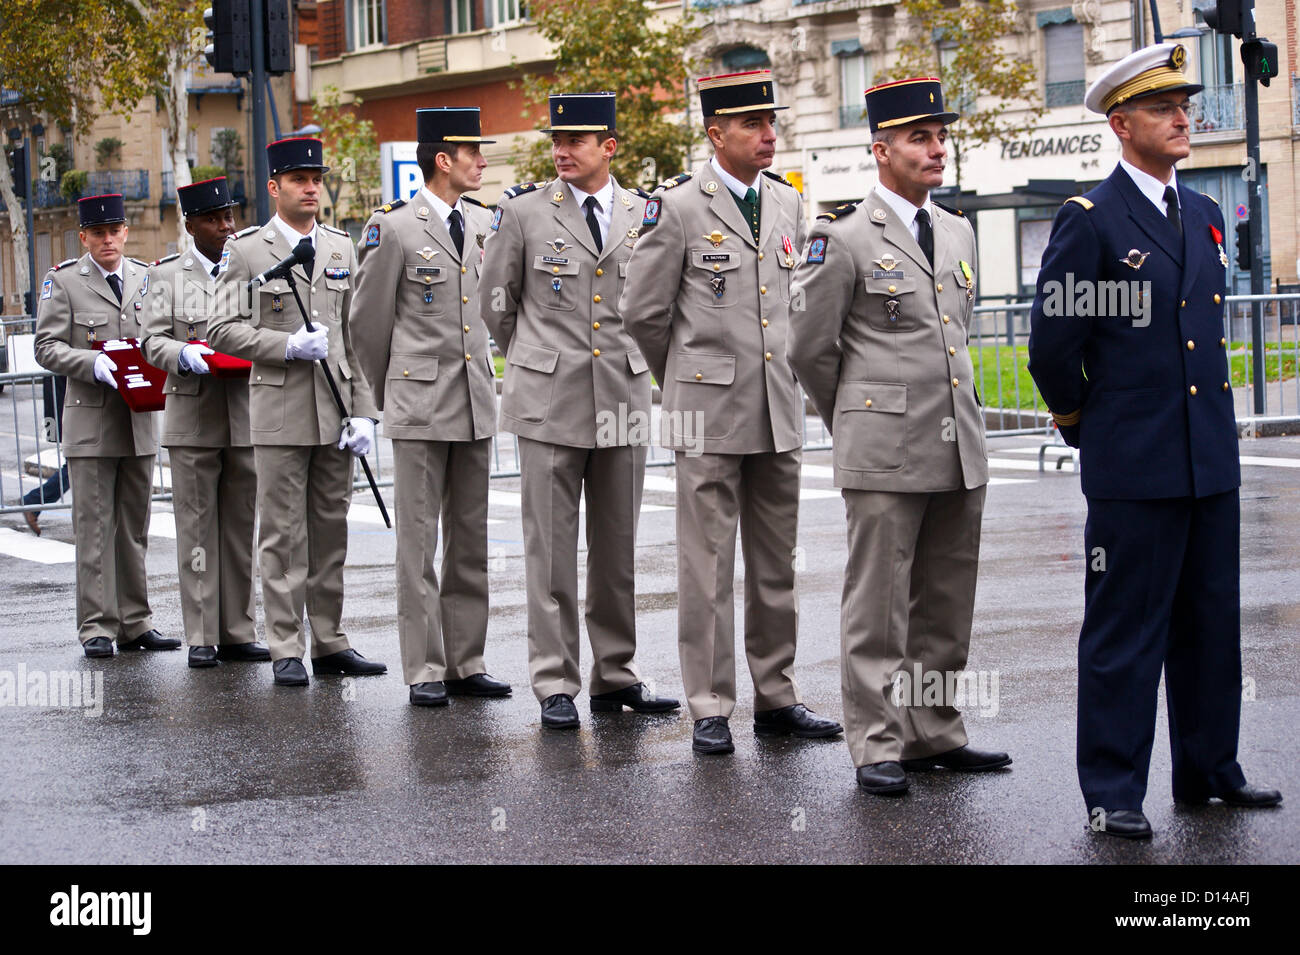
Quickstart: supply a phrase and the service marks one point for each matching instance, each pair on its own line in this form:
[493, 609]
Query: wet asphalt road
[207, 766]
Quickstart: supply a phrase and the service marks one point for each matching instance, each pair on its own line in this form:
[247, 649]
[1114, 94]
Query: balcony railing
[131, 183]
[853, 116]
[1069, 93]
[46, 195]
[1219, 109]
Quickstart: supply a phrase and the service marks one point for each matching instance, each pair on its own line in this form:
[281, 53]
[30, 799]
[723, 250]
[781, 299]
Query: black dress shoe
[883, 779]
[151, 640]
[98, 647]
[963, 759]
[1247, 795]
[428, 694]
[290, 672]
[348, 663]
[201, 657]
[712, 735]
[636, 697]
[480, 684]
[1125, 823]
[559, 713]
[248, 652]
[797, 719]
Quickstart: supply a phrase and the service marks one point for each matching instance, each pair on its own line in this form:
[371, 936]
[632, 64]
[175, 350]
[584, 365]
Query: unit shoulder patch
[675, 181]
[653, 206]
[63, 265]
[390, 206]
[839, 212]
[817, 250]
[1080, 200]
[167, 258]
[956, 212]
[778, 177]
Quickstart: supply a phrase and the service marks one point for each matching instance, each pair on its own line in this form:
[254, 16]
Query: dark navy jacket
[1156, 415]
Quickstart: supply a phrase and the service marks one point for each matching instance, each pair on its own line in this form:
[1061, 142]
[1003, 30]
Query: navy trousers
[1162, 593]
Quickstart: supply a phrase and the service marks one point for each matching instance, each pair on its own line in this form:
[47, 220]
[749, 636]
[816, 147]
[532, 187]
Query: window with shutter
[1063, 49]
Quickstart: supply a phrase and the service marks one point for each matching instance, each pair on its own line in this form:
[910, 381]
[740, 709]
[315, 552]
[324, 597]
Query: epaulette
[839, 211]
[778, 177]
[167, 258]
[63, 265]
[1210, 197]
[390, 206]
[473, 202]
[143, 265]
[330, 228]
[243, 232]
[956, 212]
[1086, 203]
[637, 190]
[522, 188]
[675, 181]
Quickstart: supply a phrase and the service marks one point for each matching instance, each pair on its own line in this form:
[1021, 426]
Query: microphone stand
[338, 399]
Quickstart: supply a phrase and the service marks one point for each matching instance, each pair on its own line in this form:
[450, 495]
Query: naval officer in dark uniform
[1139, 383]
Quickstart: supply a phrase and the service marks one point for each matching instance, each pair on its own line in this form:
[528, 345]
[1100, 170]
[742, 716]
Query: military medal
[478, 238]
[1218, 240]
[556, 284]
[427, 253]
[1134, 259]
[428, 295]
[716, 237]
[719, 283]
[276, 304]
[892, 306]
[558, 245]
[970, 281]
[788, 247]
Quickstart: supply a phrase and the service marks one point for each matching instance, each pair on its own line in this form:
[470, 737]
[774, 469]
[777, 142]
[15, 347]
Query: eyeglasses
[1166, 110]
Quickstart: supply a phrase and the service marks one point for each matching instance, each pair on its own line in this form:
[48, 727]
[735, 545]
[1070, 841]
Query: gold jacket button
[599, 272]
[767, 356]
[893, 288]
[765, 323]
[1222, 342]
[466, 328]
[259, 378]
[595, 325]
[1217, 298]
[698, 376]
[939, 287]
[1192, 389]
[762, 290]
[1191, 345]
[596, 299]
[406, 373]
[717, 268]
[952, 350]
[1225, 386]
[463, 270]
[1183, 303]
[946, 319]
[595, 352]
[868, 402]
[760, 256]
[464, 299]
[555, 269]
[468, 356]
[955, 382]
[428, 280]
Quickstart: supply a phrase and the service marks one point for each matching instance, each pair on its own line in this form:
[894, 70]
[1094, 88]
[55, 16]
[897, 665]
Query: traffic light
[1260, 57]
[279, 40]
[230, 37]
[1243, 245]
[1227, 17]
[18, 171]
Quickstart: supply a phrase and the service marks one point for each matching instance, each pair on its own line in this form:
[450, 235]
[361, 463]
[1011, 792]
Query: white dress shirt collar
[440, 208]
[1149, 185]
[904, 208]
[203, 262]
[293, 236]
[737, 187]
[120, 271]
[604, 205]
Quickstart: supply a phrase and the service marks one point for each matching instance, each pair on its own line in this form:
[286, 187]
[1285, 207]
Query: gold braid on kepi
[1152, 69]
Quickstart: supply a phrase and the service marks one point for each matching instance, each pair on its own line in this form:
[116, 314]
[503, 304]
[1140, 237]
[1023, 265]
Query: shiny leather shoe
[636, 697]
[1246, 795]
[883, 779]
[347, 663]
[98, 647]
[480, 684]
[797, 719]
[243, 652]
[290, 672]
[428, 694]
[1124, 823]
[201, 657]
[151, 640]
[712, 735]
[963, 759]
[559, 713]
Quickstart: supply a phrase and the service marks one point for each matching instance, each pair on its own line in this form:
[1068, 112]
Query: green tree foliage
[354, 182]
[616, 46]
[982, 80]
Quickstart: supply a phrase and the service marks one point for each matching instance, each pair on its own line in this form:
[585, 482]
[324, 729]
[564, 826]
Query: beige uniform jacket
[880, 347]
[710, 309]
[75, 310]
[551, 302]
[426, 358]
[202, 411]
[290, 402]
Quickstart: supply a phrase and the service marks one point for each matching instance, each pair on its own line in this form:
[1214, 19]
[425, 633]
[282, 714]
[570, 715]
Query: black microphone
[302, 253]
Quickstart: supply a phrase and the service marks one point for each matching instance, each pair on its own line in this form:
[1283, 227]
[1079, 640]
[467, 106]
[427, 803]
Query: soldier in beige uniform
[553, 268]
[424, 350]
[304, 473]
[889, 288]
[708, 301]
[205, 429]
[110, 450]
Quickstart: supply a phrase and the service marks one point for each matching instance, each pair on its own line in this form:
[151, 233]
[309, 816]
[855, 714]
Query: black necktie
[215, 270]
[1171, 209]
[925, 235]
[457, 231]
[309, 263]
[115, 283]
[592, 224]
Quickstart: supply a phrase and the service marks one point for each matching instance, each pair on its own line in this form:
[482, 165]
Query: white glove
[104, 368]
[358, 436]
[308, 346]
[192, 358]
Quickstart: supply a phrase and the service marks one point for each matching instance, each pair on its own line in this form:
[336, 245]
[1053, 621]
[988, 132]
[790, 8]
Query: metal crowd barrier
[999, 351]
